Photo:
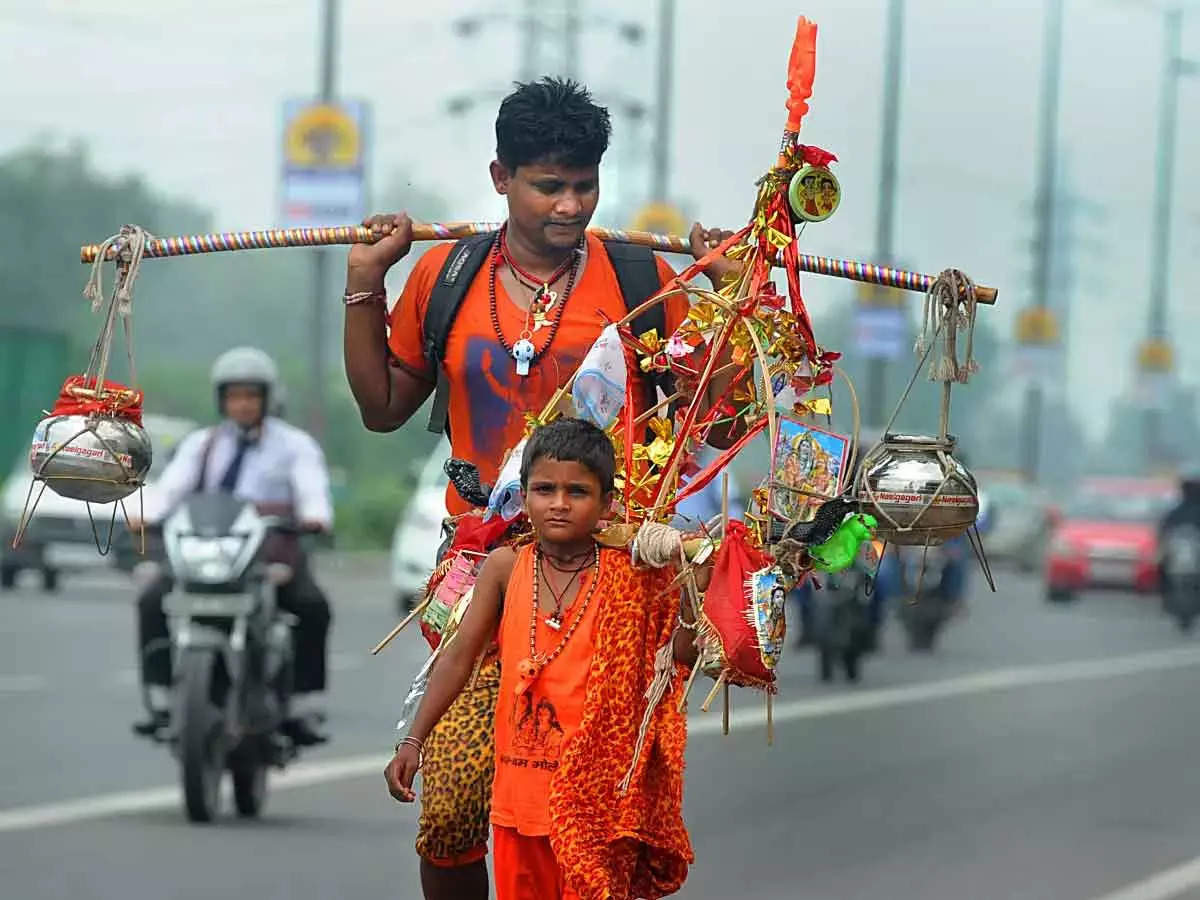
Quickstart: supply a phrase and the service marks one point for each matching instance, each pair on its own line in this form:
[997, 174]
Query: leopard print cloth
[456, 779]
[615, 845]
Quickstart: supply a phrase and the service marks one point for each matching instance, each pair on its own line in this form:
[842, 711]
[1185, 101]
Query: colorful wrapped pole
[215, 242]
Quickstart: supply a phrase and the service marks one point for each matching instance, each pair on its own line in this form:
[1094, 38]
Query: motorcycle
[842, 629]
[1180, 566]
[231, 648]
[934, 588]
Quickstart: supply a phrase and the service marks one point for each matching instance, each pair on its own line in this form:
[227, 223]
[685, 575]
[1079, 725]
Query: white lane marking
[1162, 886]
[306, 774]
[21, 684]
[981, 682]
[24, 818]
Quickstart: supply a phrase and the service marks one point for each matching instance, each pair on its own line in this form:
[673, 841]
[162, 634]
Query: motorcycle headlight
[210, 559]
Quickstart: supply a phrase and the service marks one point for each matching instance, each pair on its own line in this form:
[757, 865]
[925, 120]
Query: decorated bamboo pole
[218, 242]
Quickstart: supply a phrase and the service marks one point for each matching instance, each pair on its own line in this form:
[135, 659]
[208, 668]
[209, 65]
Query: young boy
[578, 630]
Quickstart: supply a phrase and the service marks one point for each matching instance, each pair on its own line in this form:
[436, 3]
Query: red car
[1107, 537]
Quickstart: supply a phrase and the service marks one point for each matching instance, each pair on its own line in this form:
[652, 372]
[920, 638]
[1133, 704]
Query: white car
[60, 535]
[419, 531]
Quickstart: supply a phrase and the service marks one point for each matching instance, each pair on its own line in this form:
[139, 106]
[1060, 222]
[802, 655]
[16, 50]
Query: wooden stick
[725, 713]
[420, 608]
[687, 689]
[215, 242]
[770, 721]
[712, 695]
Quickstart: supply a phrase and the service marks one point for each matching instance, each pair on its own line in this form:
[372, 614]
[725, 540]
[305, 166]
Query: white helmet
[245, 365]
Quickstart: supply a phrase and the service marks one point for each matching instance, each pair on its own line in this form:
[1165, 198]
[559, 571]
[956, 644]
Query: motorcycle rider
[281, 469]
[1177, 535]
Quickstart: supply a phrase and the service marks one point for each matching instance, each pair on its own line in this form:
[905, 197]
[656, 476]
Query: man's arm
[703, 240]
[178, 479]
[453, 668]
[387, 394]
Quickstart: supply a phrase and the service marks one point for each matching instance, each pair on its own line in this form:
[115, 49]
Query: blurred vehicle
[1107, 537]
[63, 535]
[419, 532]
[1020, 519]
[231, 645]
[841, 623]
[1180, 548]
[933, 580]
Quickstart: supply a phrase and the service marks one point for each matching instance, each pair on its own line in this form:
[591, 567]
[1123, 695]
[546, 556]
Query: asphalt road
[1042, 753]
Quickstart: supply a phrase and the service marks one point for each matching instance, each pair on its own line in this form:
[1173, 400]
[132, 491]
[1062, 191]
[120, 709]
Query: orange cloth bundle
[612, 843]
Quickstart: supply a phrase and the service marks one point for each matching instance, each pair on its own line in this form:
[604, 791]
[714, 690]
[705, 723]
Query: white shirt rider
[283, 466]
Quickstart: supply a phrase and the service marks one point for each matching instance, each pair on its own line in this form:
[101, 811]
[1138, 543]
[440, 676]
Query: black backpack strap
[637, 275]
[451, 286]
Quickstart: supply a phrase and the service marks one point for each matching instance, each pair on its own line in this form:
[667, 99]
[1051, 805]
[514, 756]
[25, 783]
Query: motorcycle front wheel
[201, 727]
[249, 788]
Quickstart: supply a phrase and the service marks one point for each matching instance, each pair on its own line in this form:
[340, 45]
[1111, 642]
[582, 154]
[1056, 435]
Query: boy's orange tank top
[533, 729]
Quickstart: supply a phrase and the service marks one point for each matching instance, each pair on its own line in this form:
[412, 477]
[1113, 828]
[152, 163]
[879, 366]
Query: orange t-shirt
[488, 399]
[533, 729]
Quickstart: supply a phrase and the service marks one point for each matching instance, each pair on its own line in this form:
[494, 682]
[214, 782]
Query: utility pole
[530, 34]
[1155, 355]
[571, 29]
[1045, 203]
[661, 169]
[886, 217]
[326, 88]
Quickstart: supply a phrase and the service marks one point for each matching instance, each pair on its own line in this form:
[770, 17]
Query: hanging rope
[950, 305]
[131, 243]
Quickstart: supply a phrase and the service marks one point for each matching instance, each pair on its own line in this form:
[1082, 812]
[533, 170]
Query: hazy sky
[190, 95]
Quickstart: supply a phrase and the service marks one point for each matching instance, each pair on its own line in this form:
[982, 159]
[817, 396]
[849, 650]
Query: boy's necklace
[555, 620]
[529, 668]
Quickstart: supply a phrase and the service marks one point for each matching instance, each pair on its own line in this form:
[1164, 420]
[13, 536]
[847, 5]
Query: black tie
[230, 479]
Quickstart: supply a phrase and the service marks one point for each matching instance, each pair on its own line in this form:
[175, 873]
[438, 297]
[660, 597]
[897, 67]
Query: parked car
[1021, 518]
[1107, 537]
[63, 536]
[419, 532]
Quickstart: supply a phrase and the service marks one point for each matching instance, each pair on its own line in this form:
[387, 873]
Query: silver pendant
[552, 622]
[523, 352]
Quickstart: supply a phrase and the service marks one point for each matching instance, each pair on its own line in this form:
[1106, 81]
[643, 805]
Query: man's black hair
[551, 120]
[572, 440]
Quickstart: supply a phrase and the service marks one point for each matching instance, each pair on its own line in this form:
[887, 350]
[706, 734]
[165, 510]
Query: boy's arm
[449, 676]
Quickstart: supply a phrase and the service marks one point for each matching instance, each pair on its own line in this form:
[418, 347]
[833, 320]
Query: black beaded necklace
[495, 256]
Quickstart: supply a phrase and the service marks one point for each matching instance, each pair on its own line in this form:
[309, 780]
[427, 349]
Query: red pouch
[729, 640]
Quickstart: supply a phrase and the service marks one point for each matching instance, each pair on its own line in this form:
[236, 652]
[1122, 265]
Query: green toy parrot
[840, 550]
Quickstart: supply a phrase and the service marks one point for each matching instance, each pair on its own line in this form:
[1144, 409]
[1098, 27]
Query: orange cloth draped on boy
[632, 844]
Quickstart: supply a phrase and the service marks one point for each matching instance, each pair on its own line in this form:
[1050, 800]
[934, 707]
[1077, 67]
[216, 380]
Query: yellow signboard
[660, 218]
[322, 137]
[1037, 325]
[1155, 356]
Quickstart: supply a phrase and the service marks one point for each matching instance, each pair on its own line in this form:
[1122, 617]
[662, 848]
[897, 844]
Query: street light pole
[1160, 247]
[327, 87]
[1045, 204]
[661, 169]
[886, 217]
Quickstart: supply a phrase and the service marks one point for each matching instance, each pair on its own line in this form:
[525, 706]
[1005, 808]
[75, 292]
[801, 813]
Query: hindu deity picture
[809, 462]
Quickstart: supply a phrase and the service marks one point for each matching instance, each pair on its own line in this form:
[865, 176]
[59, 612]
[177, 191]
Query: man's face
[243, 404]
[549, 204]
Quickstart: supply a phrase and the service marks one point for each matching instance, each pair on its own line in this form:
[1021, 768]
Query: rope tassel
[664, 673]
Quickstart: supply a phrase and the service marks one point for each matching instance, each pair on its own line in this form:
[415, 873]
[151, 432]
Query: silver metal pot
[95, 458]
[917, 490]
